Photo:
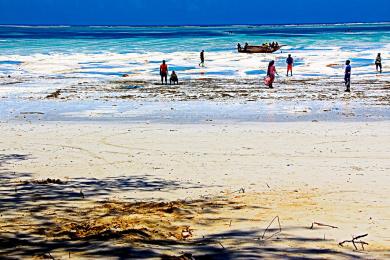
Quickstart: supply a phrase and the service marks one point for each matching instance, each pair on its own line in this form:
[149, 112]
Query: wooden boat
[259, 49]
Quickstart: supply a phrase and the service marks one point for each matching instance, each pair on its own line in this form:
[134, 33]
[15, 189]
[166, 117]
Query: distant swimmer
[347, 76]
[290, 63]
[201, 64]
[378, 63]
[271, 72]
[164, 72]
[174, 79]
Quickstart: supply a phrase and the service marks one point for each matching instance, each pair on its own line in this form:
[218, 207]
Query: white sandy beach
[333, 173]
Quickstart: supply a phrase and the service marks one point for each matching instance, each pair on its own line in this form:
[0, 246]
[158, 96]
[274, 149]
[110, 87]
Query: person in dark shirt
[201, 64]
[347, 76]
[290, 63]
[174, 78]
[378, 63]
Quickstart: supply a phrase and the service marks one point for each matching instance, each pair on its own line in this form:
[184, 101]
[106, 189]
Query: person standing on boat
[201, 64]
[378, 63]
[164, 72]
[290, 63]
[347, 76]
[271, 72]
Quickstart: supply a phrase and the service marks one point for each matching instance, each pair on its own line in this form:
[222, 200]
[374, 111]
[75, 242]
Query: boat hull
[259, 49]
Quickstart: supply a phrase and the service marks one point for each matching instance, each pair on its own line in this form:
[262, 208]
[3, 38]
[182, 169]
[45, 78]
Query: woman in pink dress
[271, 72]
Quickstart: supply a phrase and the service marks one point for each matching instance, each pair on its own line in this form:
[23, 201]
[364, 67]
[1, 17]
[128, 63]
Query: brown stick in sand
[321, 225]
[354, 241]
[277, 232]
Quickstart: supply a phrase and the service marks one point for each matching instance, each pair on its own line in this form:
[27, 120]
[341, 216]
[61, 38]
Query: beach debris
[186, 233]
[47, 181]
[321, 225]
[355, 241]
[220, 244]
[278, 230]
[241, 190]
[55, 94]
[127, 97]
[186, 256]
[132, 87]
[32, 113]
[227, 95]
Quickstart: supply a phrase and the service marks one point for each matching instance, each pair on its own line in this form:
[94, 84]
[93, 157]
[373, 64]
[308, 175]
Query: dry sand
[221, 186]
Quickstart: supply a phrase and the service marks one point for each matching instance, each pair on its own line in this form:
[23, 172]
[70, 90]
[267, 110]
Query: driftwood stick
[321, 225]
[354, 241]
[279, 231]
[220, 244]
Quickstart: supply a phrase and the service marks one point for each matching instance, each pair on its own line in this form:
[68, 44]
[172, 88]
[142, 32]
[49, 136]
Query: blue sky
[187, 12]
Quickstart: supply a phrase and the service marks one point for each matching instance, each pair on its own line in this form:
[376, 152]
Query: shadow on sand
[83, 226]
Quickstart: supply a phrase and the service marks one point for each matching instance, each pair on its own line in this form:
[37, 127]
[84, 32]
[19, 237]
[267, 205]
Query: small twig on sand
[277, 232]
[268, 186]
[230, 224]
[220, 244]
[242, 190]
[321, 225]
[354, 241]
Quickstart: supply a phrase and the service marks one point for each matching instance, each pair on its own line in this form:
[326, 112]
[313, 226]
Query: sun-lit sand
[201, 189]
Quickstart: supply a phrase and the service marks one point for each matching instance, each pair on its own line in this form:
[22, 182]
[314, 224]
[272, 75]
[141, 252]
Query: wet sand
[221, 184]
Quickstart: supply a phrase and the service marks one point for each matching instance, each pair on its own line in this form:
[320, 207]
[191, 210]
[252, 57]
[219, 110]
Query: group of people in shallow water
[271, 45]
[271, 71]
[174, 79]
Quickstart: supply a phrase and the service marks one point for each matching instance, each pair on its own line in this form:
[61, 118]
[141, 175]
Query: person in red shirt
[164, 72]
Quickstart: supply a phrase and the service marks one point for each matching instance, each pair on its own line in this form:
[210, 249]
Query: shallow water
[112, 51]
[87, 63]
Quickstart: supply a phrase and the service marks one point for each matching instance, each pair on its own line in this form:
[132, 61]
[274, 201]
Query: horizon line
[195, 25]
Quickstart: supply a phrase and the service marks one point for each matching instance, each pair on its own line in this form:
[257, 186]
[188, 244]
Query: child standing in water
[347, 76]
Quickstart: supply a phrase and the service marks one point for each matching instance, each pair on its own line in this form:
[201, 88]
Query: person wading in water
[201, 64]
[347, 76]
[164, 72]
[271, 72]
[290, 63]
